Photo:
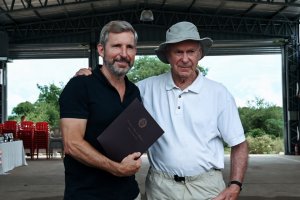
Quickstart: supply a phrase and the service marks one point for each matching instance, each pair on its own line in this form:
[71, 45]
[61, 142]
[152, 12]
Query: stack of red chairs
[11, 126]
[41, 137]
[26, 133]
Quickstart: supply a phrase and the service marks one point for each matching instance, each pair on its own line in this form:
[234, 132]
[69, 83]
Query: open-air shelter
[32, 29]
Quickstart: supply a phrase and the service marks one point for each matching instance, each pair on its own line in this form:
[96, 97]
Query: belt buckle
[179, 178]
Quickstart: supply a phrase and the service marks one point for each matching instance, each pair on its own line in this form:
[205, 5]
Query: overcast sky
[246, 77]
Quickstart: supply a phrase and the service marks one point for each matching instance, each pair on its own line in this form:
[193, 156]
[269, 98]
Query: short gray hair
[116, 27]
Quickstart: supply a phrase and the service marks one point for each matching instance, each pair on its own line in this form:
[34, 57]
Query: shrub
[278, 145]
[264, 144]
[260, 145]
[257, 132]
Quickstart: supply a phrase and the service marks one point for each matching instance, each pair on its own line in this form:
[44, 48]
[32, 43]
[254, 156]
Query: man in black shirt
[88, 104]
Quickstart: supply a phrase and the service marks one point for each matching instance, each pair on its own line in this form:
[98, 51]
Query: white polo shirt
[195, 120]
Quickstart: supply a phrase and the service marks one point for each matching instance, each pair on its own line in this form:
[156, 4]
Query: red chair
[11, 126]
[1, 128]
[41, 137]
[26, 133]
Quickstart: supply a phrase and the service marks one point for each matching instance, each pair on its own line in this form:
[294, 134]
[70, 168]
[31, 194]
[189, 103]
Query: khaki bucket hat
[180, 32]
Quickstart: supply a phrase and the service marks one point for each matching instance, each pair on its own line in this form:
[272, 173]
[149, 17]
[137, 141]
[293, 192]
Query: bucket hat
[179, 32]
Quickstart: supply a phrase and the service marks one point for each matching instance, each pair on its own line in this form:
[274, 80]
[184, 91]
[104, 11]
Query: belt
[181, 178]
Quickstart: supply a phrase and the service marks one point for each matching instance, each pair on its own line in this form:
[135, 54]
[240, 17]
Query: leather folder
[134, 130]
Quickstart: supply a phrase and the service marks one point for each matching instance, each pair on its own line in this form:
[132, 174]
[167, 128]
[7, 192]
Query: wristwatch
[236, 183]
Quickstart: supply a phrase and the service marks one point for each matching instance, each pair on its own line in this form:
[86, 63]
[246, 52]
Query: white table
[13, 155]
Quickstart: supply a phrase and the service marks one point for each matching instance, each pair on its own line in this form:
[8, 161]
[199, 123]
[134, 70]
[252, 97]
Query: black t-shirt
[93, 98]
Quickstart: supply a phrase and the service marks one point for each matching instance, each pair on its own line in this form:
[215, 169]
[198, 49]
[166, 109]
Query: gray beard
[116, 71]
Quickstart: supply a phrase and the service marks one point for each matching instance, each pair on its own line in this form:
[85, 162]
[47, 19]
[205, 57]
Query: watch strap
[236, 183]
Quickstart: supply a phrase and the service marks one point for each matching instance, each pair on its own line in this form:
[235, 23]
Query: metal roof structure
[70, 29]
[70, 24]
[27, 12]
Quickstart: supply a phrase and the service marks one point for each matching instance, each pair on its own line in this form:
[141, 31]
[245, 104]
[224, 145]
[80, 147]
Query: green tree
[145, 67]
[45, 112]
[46, 108]
[256, 132]
[264, 116]
[23, 108]
[258, 103]
[49, 94]
[47, 105]
[245, 113]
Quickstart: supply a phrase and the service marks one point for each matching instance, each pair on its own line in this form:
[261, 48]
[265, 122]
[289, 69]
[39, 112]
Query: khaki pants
[162, 186]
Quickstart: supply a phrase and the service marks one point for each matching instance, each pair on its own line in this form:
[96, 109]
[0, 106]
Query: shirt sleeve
[73, 99]
[141, 87]
[229, 123]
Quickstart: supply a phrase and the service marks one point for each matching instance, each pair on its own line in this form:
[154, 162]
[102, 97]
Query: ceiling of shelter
[79, 21]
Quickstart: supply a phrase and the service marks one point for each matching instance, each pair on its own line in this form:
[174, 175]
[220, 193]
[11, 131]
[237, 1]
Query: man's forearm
[239, 161]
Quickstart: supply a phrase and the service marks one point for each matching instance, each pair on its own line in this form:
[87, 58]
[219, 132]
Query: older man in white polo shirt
[197, 115]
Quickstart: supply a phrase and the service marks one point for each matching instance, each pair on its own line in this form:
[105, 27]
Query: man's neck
[118, 82]
[184, 82]
[112, 78]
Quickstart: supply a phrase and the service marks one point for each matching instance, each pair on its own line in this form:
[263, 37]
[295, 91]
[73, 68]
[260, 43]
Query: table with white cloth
[13, 155]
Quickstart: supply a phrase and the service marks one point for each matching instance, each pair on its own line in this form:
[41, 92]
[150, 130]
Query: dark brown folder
[134, 130]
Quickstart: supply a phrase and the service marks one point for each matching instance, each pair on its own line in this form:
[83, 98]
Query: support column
[292, 108]
[3, 74]
[93, 56]
[3, 90]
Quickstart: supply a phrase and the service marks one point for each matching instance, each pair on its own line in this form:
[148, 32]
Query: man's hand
[84, 71]
[230, 193]
[129, 165]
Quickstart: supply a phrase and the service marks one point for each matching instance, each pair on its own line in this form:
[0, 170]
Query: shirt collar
[194, 87]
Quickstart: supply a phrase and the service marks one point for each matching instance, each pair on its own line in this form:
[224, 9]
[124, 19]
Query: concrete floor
[269, 177]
